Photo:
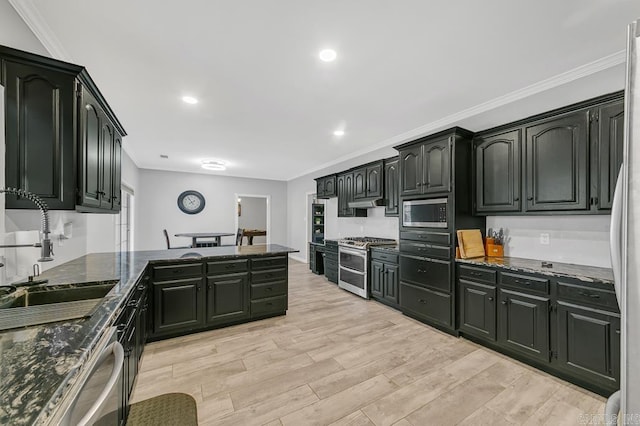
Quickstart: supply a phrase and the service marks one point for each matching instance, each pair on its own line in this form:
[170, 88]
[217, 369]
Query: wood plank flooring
[337, 359]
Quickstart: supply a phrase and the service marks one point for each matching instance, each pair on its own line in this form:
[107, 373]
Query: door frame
[268, 200]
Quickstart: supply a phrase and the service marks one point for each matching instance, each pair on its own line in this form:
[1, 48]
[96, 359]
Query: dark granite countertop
[39, 364]
[558, 269]
[391, 249]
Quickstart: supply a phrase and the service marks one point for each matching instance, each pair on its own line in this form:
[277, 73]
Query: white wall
[253, 216]
[157, 209]
[582, 240]
[15, 33]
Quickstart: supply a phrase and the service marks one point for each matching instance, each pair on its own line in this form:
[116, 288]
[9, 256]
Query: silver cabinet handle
[116, 349]
[615, 234]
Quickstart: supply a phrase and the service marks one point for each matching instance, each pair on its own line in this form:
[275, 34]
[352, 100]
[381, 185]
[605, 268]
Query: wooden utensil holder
[494, 250]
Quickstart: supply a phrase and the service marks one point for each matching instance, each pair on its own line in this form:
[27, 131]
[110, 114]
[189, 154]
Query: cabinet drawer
[426, 303]
[269, 263]
[426, 272]
[478, 274]
[172, 272]
[525, 282]
[384, 256]
[227, 266]
[270, 275]
[428, 237]
[429, 250]
[586, 294]
[330, 264]
[330, 256]
[271, 305]
[259, 291]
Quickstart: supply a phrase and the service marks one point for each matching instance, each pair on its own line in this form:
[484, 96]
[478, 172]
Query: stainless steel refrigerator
[625, 243]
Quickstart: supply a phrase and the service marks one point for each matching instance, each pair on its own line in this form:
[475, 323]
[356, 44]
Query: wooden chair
[239, 236]
[166, 237]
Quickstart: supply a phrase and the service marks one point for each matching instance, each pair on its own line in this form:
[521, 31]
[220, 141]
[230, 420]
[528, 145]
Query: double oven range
[353, 262]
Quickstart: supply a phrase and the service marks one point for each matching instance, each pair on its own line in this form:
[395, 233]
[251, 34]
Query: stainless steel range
[353, 254]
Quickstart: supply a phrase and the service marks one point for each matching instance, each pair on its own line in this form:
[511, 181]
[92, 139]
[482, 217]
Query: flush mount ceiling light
[327, 55]
[338, 133]
[214, 165]
[165, 156]
[189, 100]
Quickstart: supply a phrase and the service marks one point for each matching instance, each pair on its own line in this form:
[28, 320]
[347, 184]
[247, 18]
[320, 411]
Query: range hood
[366, 204]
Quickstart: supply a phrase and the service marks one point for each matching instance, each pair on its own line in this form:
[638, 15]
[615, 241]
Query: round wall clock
[191, 202]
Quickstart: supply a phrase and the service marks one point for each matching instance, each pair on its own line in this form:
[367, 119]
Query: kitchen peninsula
[221, 285]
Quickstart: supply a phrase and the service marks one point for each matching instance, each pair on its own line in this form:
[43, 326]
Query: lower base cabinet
[227, 298]
[426, 304]
[384, 277]
[178, 305]
[589, 343]
[478, 309]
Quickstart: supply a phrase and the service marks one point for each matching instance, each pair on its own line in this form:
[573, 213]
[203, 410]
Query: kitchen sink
[45, 297]
[38, 306]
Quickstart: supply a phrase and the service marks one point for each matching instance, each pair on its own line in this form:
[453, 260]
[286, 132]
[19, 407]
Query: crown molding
[577, 73]
[34, 20]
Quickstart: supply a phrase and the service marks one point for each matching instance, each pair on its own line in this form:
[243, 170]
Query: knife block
[494, 250]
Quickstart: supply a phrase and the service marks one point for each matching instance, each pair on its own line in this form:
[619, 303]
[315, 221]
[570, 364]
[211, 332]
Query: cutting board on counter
[470, 243]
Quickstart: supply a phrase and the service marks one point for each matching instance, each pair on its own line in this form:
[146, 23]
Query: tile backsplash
[582, 240]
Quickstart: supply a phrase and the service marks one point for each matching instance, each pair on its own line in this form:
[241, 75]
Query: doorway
[253, 212]
[124, 221]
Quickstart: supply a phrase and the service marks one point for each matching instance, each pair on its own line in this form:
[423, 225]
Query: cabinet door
[589, 344]
[390, 287]
[524, 323]
[498, 172]
[377, 279]
[40, 129]
[178, 305]
[227, 298]
[411, 171]
[319, 188]
[107, 142]
[344, 192]
[142, 325]
[360, 183]
[330, 187]
[426, 304]
[374, 181]
[557, 163]
[610, 142]
[436, 167]
[116, 166]
[348, 186]
[90, 151]
[478, 309]
[391, 185]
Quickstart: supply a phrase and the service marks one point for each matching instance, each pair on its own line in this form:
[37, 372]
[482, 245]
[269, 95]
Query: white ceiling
[268, 105]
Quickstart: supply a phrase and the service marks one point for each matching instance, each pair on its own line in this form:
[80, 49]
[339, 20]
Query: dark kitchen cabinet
[589, 344]
[331, 260]
[478, 309]
[345, 187]
[391, 187]
[40, 130]
[433, 306]
[100, 158]
[384, 276]
[557, 168]
[179, 305]
[227, 298]
[63, 141]
[524, 323]
[426, 168]
[367, 181]
[610, 140]
[326, 187]
[497, 172]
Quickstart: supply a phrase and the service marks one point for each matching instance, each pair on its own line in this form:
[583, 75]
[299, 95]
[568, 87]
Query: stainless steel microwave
[429, 213]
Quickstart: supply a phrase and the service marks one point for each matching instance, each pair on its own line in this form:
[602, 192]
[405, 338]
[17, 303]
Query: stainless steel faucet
[46, 251]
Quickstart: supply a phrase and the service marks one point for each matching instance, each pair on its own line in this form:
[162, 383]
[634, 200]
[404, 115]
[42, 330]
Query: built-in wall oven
[353, 261]
[426, 213]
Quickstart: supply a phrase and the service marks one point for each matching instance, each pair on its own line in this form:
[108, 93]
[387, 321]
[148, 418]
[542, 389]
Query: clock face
[191, 202]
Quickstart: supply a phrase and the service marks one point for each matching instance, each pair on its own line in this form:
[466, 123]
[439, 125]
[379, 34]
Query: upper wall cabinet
[63, 142]
[345, 185]
[391, 184]
[565, 160]
[367, 181]
[326, 187]
[426, 168]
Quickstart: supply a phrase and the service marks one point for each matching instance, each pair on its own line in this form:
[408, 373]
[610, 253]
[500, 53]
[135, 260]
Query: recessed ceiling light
[338, 133]
[327, 55]
[189, 100]
[214, 165]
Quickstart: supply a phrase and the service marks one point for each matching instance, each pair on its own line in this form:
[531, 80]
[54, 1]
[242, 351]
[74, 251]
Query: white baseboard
[298, 258]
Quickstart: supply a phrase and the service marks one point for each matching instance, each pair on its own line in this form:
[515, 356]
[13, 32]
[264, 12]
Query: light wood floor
[338, 359]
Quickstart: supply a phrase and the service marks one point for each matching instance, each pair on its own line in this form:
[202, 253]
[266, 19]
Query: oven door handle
[354, 271]
[358, 253]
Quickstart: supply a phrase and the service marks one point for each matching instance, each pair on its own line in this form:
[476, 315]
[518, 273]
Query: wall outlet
[544, 239]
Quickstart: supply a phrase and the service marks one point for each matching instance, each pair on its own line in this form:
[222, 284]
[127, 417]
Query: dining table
[216, 236]
[250, 233]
